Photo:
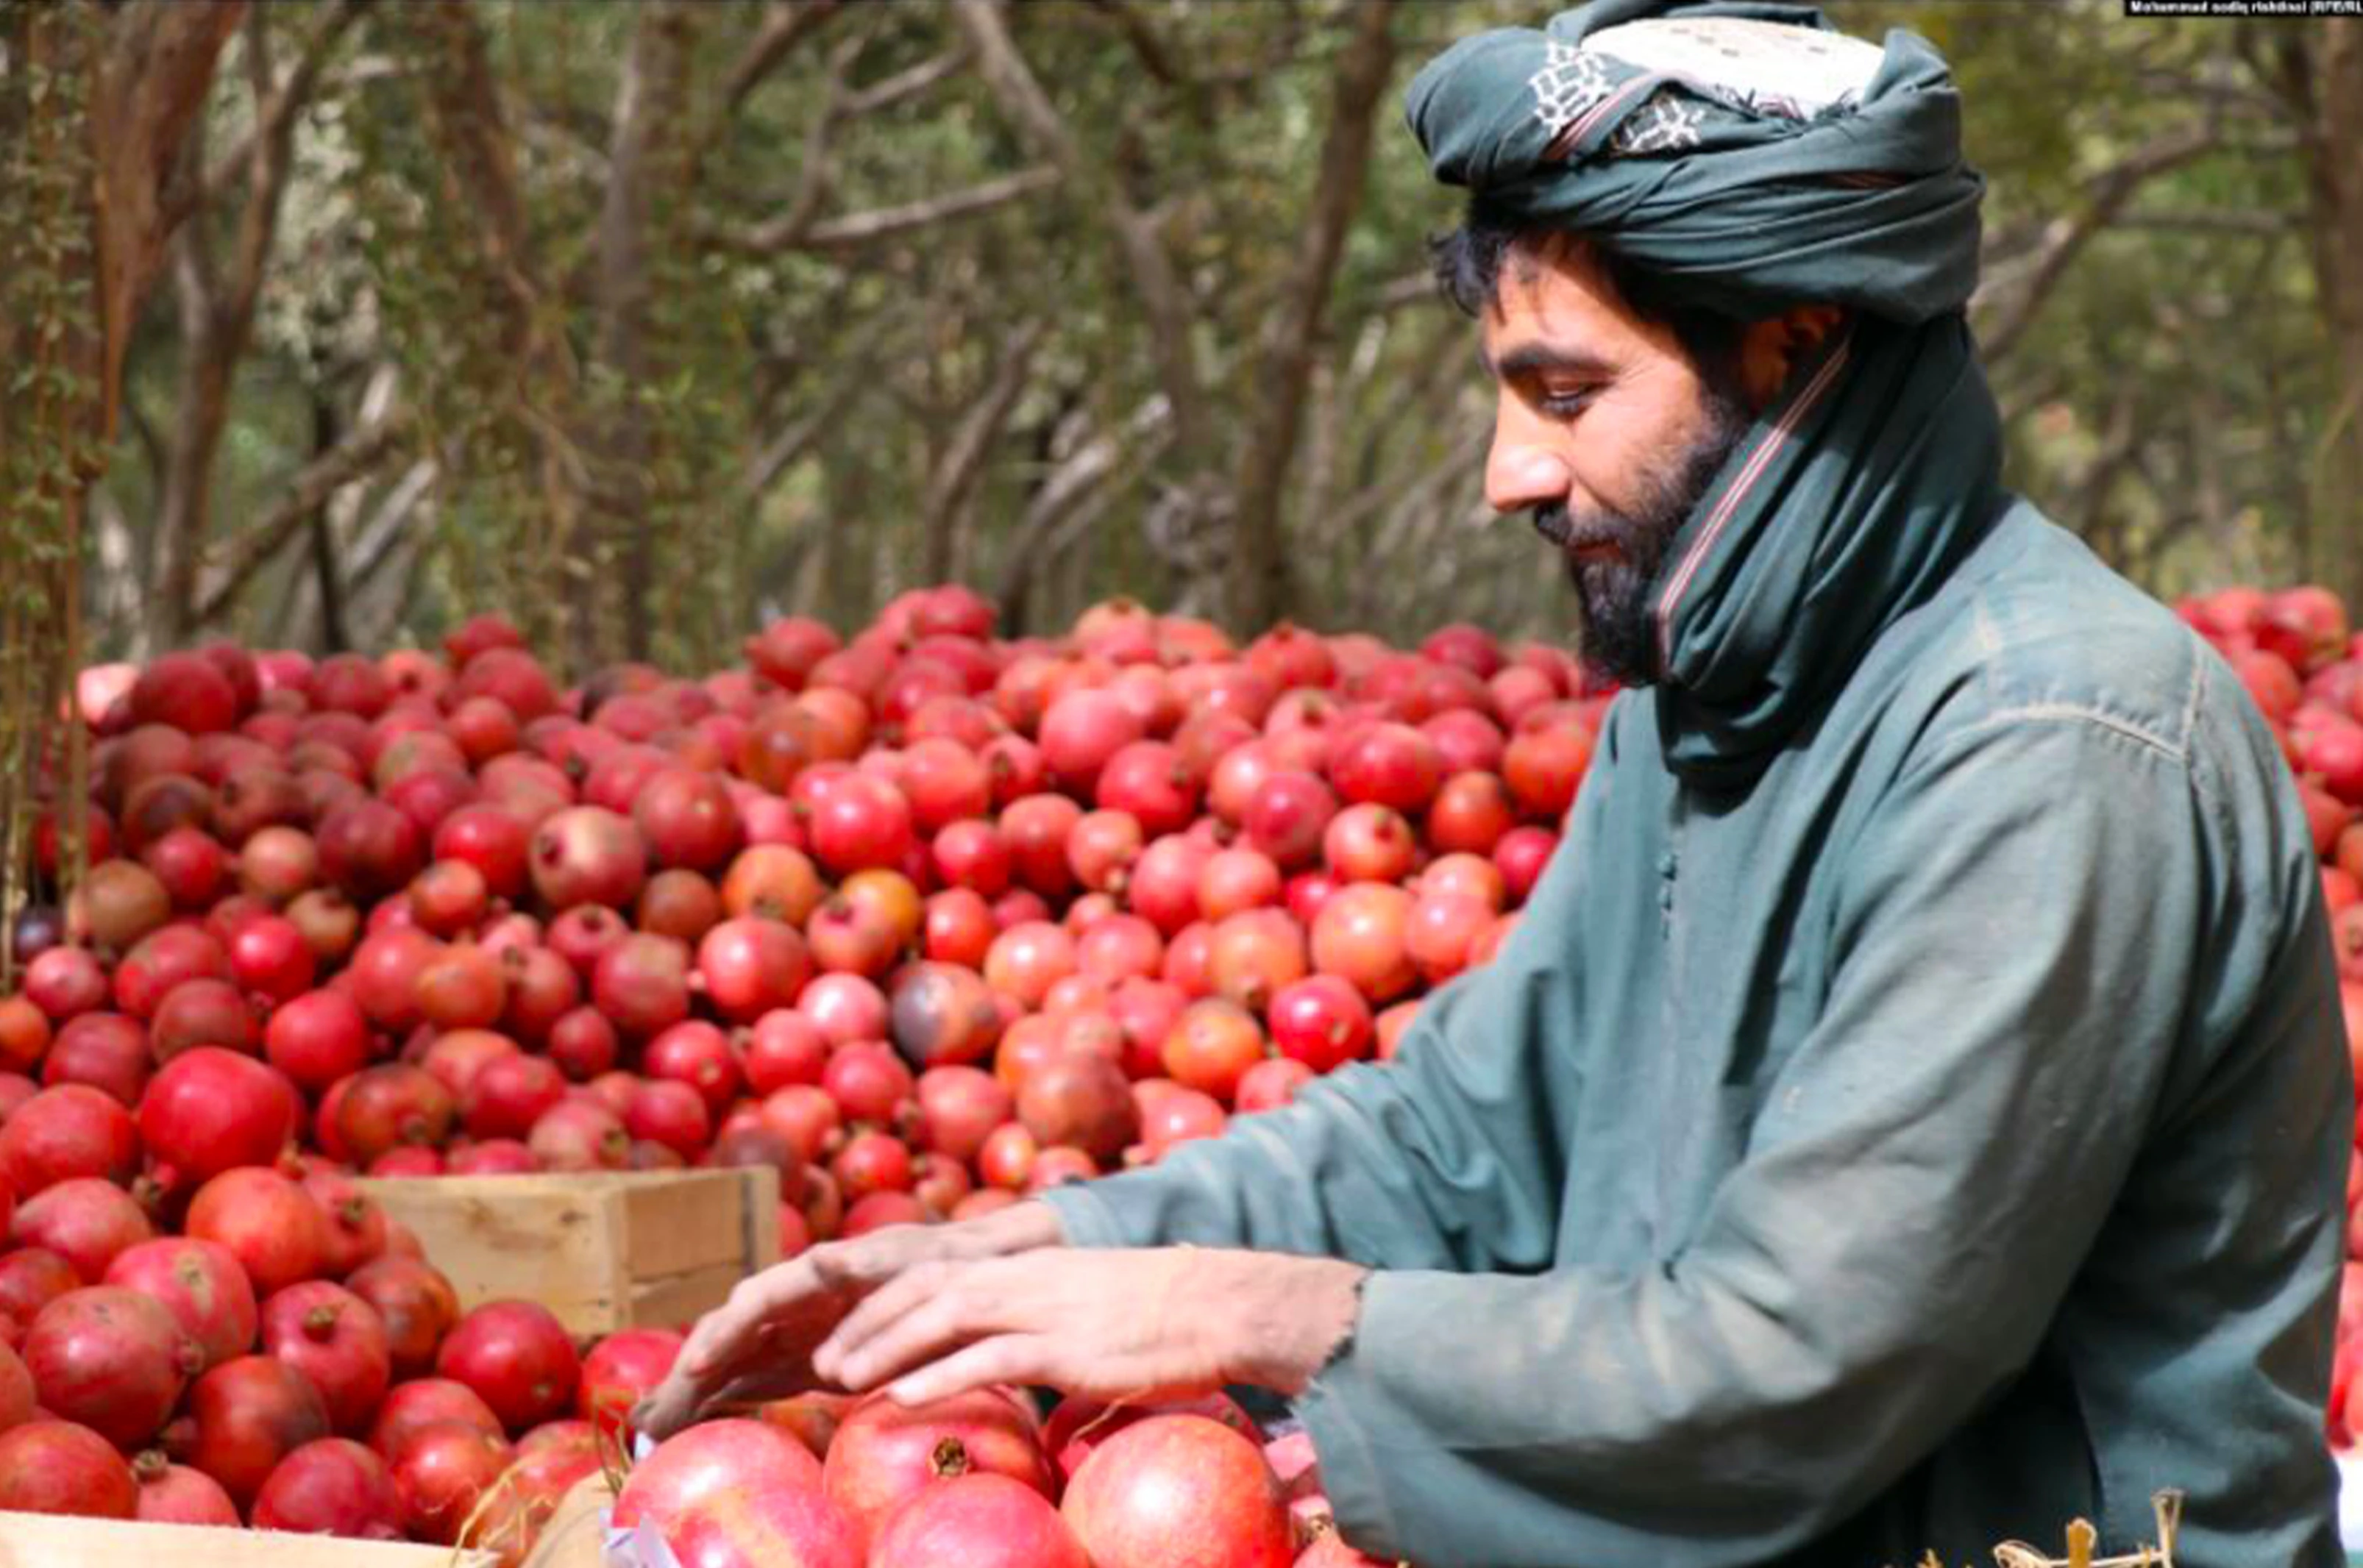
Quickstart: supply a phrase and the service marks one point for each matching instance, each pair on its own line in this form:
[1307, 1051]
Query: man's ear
[1769, 349]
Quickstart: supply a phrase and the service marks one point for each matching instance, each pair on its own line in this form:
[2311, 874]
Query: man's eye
[1565, 404]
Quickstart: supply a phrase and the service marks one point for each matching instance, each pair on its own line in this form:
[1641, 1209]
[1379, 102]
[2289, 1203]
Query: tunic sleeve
[2014, 965]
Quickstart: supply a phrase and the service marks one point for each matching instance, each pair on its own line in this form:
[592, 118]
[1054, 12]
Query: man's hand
[758, 1345]
[1109, 1325]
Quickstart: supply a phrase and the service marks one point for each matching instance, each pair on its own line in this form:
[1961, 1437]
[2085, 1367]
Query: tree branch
[854, 230]
[908, 82]
[786, 22]
[2064, 239]
[304, 493]
[1163, 297]
[962, 465]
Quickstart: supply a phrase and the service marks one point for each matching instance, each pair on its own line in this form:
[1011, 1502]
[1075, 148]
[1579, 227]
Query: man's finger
[945, 1319]
[884, 1307]
[734, 1328]
[1003, 1358]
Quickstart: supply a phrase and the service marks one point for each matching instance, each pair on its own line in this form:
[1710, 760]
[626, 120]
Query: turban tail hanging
[1754, 159]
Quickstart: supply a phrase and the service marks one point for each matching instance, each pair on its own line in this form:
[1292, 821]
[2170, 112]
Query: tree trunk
[2335, 188]
[1260, 578]
[651, 106]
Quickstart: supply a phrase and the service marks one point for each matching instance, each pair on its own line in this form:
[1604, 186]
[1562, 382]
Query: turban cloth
[1753, 160]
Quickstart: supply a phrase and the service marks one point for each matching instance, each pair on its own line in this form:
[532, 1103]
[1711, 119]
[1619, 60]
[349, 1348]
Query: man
[1913, 1110]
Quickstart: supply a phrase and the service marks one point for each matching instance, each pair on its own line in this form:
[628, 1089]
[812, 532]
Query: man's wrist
[1293, 1318]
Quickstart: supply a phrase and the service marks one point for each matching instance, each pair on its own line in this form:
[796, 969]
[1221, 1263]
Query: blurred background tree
[641, 321]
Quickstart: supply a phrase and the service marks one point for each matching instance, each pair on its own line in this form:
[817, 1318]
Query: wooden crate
[602, 1250]
[46, 1540]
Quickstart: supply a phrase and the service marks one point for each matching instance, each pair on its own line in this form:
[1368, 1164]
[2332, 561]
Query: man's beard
[1615, 595]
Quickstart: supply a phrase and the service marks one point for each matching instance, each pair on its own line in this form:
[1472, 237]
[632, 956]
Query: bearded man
[1913, 1110]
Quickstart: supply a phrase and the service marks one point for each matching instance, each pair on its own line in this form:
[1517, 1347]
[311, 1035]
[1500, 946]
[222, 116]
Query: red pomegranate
[885, 1453]
[16, 1395]
[392, 1105]
[30, 1278]
[1178, 1492]
[687, 820]
[245, 1416]
[209, 1109]
[861, 821]
[509, 1093]
[111, 1358]
[369, 849]
[758, 1529]
[106, 1051]
[423, 1403]
[441, 1472]
[274, 1228]
[58, 1467]
[69, 1131]
[642, 984]
[620, 1371]
[515, 1355]
[331, 1487]
[201, 1285]
[335, 1338]
[784, 1047]
[86, 1221]
[1079, 1424]
[174, 1493]
[580, 1136]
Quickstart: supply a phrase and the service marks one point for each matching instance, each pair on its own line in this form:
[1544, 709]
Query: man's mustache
[1553, 523]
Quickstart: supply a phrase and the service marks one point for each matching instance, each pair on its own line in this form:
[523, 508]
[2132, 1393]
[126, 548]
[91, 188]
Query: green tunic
[1930, 1128]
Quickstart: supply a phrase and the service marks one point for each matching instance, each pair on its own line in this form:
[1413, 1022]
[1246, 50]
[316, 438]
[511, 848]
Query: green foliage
[2164, 400]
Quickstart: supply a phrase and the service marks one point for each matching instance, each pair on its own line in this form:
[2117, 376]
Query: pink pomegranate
[111, 1358]
[67, 1132]
[86, 1221]
[174, 1493]
[588, 855]
[201, 1285]
[711, 1461]
[441, 1472]
[275, 1228]
[337, 1341]
[1178, 1492]
[979, 1521]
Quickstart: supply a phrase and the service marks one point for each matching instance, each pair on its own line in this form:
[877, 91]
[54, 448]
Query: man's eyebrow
[1537, 358]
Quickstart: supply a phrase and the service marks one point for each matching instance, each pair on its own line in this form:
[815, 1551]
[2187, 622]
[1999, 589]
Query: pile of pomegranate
[2301, 662]
[924, 920]
[979, 1480]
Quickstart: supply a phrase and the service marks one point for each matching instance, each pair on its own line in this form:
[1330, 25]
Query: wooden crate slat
[45, 1540]
[602, 1250]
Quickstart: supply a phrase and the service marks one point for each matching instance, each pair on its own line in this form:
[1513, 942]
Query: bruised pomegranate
[112, 1359]
[1179, 1491]
[331, 1487]
[885, 1453]
[201, 1285]
[516, 1356]
[58, 1467]
[245, 1417]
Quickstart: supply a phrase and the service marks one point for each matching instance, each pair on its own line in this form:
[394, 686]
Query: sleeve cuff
[1086, 1218]
[1335, 1409]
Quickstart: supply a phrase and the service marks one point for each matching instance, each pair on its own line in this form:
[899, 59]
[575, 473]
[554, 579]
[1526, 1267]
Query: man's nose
[1521, 475]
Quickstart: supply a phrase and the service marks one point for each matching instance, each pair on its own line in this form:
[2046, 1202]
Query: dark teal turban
[1753, 160]
[1744, 152]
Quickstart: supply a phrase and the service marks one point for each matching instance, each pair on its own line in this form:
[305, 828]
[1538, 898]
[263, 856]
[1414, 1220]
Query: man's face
[1607, 434]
